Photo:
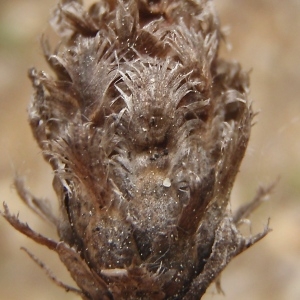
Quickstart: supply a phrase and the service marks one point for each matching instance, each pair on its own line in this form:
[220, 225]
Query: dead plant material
[145, 128]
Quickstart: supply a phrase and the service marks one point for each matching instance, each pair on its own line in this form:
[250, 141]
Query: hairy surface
[145, 128]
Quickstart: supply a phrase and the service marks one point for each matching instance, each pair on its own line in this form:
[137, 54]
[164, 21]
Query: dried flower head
[145, 129]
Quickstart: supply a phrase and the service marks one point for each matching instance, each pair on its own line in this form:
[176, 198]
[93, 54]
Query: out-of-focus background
[264, 35]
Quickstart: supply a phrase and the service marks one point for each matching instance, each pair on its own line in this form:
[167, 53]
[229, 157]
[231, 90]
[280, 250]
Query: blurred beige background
[265, 38]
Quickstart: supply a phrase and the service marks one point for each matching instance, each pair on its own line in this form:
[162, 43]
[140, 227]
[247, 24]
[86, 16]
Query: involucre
[145, 129]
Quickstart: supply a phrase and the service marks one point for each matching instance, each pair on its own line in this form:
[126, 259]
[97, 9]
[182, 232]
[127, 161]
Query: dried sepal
[26, 230]
[247, 209]
[49, 273]
[41, 207]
